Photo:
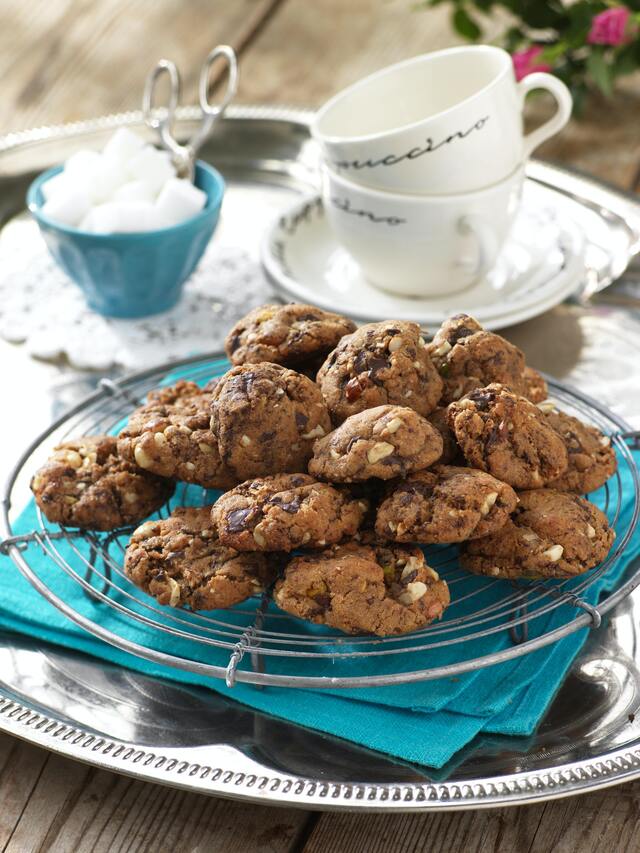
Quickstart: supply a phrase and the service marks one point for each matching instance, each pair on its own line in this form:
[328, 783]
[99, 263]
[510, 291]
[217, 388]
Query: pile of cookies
[340, 451]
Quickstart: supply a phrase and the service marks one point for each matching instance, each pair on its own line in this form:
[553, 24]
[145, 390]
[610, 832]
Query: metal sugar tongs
[162, 119]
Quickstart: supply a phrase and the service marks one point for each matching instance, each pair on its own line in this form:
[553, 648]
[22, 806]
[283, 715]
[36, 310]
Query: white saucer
[540, 265]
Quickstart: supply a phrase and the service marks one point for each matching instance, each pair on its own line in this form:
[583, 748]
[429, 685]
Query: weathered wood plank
[54, 804]
[608, 820]
[20, 767]
[77, 59]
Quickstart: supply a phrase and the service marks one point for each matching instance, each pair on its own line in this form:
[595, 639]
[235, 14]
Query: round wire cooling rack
[489, 621]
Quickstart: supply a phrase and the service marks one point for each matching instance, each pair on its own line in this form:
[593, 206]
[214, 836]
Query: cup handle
[541, 80]
[485, 240]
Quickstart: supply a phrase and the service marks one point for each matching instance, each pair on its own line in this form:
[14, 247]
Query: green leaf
[600, 71]
[465, 25]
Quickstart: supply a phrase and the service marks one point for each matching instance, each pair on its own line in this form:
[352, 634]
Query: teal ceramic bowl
[137, 274]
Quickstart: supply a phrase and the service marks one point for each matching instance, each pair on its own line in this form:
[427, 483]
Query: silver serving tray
[194, 739]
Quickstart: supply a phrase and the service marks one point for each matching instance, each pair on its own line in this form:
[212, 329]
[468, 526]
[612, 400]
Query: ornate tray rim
[174, 767]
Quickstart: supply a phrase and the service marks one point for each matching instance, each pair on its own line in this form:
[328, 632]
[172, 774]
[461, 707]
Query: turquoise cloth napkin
[427, 722]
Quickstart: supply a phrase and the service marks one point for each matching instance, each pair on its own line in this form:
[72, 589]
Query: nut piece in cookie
[86, 484]
[284, 512]
[363, 589]
[180, 562]
[447, 504]
[171, 436]
[380, 363]
[551, 535]
[467, 357]
[507, 436]
[266, 418]
[592, 459]
[385, 442]
[294, 335]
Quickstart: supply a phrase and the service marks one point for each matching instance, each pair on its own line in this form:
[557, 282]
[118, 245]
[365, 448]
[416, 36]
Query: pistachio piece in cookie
[507, 436]
[86, 484]
[265, 419]
[171, 436]
[363, 589]
[380, 363]
[293, 335]
[180, 562]
[284, 512]
[551, 535]
[447, 504]
[384, 442]
[592, 459]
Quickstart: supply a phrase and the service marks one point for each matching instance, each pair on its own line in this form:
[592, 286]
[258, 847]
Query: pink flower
[609, 27]
[524, 62]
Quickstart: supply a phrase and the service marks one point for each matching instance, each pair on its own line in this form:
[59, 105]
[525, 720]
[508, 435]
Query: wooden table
[62, 60]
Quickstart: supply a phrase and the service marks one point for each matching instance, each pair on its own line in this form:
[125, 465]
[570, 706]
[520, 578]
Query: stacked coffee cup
[423, 166]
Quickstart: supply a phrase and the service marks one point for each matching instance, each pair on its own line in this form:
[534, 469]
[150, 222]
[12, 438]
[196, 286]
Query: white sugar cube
[68, 207]
[179, 200]
[150, 166]
[134, 191]
[125, 217]
[123, 145]
[104, 218]
[86, 223]
[82, 164]
[55, 185]
[105, 179]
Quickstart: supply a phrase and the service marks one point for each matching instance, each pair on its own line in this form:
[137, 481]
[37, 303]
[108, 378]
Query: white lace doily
[46, 311]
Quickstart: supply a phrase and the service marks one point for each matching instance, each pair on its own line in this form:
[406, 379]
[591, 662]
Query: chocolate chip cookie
[551, 535]
[360, 589]
[535, 385]
[86, 484]
[384, 442]
[592, 459]
[171, 436]
[507, 436]
[297, 336]
[284, 512]
[467, 357]
[380, 363]
[451, 453]
[266, 418]
[447, 504]
[180, 562]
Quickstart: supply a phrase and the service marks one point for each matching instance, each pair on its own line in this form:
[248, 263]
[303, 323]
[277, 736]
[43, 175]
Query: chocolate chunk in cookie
[266, 418]
[284, 512]
[294, 335]
[507, 436]
[171, 436]
[447, 504]
[592, 459]
[550, 535]
[385, 442]
[467, 357]
[361, 589]
[180, 562]
[86, 484]
[380, 363]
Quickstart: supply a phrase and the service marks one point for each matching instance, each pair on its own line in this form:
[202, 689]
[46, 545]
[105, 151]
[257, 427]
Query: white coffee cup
[421, 245]
[444, 122]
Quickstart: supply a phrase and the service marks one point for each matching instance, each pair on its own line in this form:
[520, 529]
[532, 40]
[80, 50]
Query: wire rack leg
[520, 633]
